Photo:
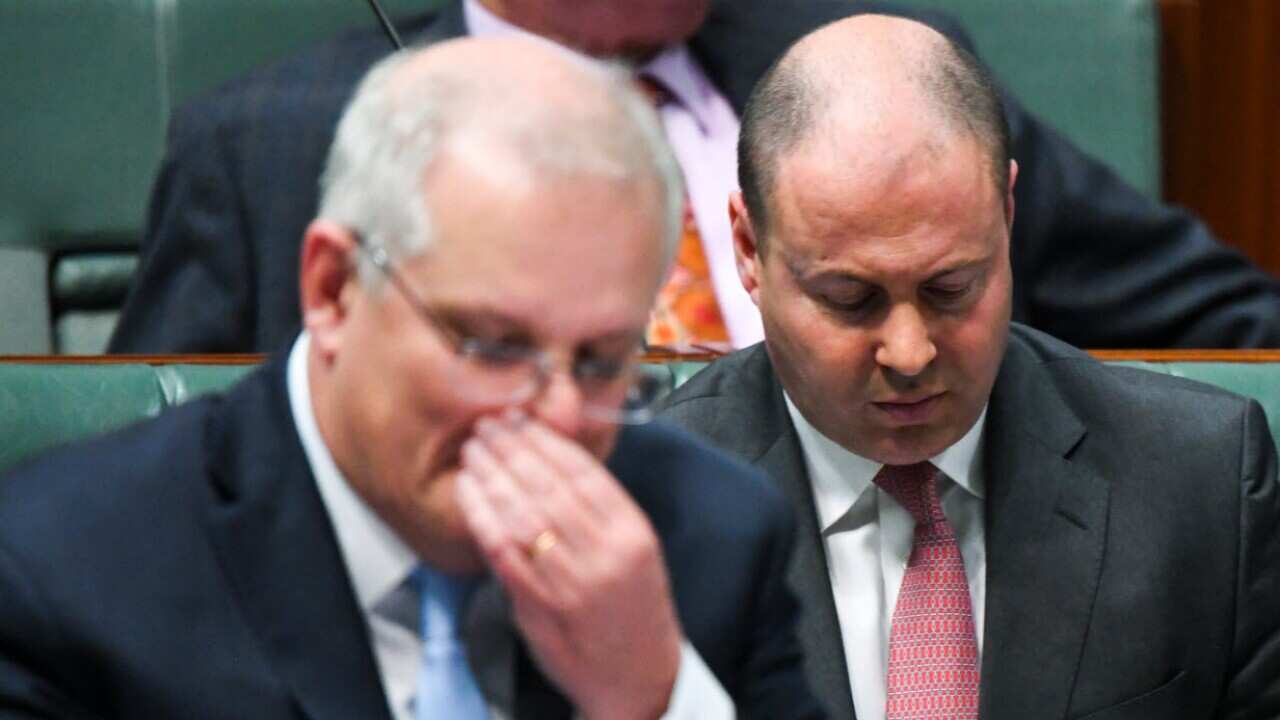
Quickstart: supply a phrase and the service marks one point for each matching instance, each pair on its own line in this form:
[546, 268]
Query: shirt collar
[840, 477]
[674, 67]
[377, 560]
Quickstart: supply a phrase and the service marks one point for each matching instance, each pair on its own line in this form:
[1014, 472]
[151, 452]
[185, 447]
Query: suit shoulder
[735, 403]
[727, 381]
[93, 512]
[1130, 398]
[107, 475]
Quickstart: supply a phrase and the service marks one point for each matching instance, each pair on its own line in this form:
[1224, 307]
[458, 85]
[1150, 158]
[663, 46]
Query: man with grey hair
[426, 509]
[991, 523]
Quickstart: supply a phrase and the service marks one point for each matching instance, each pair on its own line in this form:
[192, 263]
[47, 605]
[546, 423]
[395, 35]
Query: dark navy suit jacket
[186, 568]
[1094, 261]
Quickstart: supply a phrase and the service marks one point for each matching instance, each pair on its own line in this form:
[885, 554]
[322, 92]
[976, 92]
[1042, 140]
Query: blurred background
[1181, 97]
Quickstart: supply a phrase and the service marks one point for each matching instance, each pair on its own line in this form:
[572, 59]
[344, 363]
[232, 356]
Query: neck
[631, 56]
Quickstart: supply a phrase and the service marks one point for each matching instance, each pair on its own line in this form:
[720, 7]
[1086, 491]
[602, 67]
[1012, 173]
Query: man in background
[1095, 262]
[992, 524]
[411, 514]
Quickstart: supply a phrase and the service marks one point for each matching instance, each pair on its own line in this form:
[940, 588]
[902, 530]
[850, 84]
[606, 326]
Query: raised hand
[581, 564]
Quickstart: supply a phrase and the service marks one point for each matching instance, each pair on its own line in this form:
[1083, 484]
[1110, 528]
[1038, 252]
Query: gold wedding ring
[545, 540]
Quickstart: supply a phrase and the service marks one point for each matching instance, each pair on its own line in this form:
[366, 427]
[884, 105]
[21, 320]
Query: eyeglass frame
[465, 347]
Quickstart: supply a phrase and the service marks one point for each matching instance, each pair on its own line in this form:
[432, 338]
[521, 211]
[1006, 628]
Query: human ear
[326, 282]
[1008, 197]
[745, 247]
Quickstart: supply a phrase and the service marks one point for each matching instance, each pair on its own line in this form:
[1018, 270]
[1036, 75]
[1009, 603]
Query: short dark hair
[787, 102]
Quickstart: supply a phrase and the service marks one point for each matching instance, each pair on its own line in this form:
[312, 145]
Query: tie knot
[913, 487]
[653, 89]
[444, 599]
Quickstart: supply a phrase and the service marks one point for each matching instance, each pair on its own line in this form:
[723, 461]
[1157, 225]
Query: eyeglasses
[503, 373]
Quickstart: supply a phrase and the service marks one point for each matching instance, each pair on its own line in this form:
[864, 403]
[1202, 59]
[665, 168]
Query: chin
[909, 450]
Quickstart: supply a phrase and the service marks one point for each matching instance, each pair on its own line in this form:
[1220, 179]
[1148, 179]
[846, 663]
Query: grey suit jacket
[1132, 536]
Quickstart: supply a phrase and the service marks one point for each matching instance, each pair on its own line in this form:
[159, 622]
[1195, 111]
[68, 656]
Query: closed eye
[948, 293]
[852, 306]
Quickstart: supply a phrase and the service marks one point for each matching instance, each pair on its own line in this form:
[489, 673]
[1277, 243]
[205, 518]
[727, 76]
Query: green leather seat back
[42, 406]
[1091, 67]
[83, 122]
[90, 86]
[82, 128]
[212, 41]
[180, 383]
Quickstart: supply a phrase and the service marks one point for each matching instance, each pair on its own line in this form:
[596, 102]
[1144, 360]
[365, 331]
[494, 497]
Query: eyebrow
[458, 315]
[798, 271]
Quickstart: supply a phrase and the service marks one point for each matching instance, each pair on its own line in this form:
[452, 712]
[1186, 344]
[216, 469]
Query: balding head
[526, 110]
[890, 85]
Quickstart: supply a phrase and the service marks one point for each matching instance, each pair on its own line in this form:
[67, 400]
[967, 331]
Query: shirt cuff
[697, 694]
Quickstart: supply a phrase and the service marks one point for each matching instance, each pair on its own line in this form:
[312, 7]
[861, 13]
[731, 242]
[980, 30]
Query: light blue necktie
[446, 687]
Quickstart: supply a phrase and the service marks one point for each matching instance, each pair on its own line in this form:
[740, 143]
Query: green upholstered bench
[44, 404]
[90, 86]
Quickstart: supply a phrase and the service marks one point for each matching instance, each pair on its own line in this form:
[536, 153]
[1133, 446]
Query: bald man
[1096, 262]
[427, 508]
[992, 524]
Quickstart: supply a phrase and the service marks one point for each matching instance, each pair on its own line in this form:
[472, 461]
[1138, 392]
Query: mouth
[910, 410]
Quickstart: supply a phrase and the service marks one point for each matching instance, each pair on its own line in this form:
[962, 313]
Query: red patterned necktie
[686, 316]
[933, 652]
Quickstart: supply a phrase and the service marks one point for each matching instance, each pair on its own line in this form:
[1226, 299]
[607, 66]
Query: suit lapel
[276, 547]
[1045, 536]
[819, 626]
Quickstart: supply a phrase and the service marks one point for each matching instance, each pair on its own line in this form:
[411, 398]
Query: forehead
[891, 205]
[536, 245]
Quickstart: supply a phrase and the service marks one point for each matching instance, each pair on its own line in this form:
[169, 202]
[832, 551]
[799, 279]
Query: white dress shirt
[868, 538]
[380, 564]
[702, 129]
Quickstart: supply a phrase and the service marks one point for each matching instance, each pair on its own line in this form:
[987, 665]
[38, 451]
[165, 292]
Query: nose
[905, 346]
[560, 403]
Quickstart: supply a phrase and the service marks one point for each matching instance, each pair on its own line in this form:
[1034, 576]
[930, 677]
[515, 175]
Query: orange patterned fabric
[686, 316]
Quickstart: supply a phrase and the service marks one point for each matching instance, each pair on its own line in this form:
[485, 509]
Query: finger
[503, 438]
[542, 482]
[513, 507]
[505, 555]
[558, 567]
[590, 480]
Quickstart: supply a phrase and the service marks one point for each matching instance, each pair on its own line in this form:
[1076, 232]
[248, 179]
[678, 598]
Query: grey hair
[393, 130]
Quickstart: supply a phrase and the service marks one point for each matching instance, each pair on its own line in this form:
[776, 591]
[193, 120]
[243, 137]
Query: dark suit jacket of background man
[1132, 537]
[186, 568]
[1095, 262]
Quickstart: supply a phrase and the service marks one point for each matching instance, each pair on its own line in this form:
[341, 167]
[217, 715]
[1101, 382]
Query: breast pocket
[1160, 703]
